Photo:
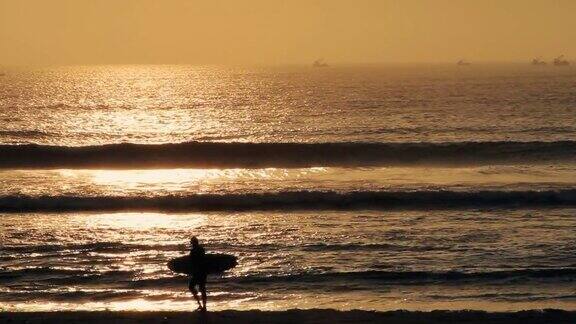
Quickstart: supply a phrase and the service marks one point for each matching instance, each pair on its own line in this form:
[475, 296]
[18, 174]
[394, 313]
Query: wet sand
[292, 316]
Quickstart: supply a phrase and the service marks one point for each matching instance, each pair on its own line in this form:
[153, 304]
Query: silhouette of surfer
[199, 273]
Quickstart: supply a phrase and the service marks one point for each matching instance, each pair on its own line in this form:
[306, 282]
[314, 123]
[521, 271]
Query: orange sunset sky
[283, 32]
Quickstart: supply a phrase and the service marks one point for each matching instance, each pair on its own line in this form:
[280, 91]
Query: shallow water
[384, 259]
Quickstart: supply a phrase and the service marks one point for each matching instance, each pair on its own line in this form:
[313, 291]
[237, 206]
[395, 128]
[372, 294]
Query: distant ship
[319, 63]
[560, 61]
[538, 61]
[463, 63]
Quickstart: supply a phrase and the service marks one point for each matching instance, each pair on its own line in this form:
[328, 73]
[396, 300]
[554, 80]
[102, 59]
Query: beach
[291, 316]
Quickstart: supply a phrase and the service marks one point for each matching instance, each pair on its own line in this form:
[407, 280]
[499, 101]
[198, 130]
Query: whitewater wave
[296, 200]
[258, 155]
[24, 133]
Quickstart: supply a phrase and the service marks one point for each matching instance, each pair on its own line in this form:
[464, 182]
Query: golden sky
[279, 32]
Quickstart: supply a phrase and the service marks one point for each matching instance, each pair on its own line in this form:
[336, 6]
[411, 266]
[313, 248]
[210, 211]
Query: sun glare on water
[143, 221]
[158, 182]
[135, 178]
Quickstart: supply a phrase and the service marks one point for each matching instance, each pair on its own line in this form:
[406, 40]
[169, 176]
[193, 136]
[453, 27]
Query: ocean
[372, 187]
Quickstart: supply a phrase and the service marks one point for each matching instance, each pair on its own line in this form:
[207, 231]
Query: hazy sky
[278, 32]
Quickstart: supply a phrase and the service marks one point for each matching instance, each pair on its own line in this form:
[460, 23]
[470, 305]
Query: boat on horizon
[561, 61]
[463, 63]
[538, 61]
[319, 63]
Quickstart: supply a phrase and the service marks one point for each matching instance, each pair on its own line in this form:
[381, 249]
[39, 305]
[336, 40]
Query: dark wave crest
[112, 247]
[257, 155]
[296, 200]
[61, 276]
[16, 251]
[127, 279]
[419, 276]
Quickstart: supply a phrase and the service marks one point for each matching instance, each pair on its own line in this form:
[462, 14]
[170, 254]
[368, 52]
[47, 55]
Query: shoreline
[318, 316]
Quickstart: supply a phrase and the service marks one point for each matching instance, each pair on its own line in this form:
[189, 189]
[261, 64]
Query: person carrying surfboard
[199, 273]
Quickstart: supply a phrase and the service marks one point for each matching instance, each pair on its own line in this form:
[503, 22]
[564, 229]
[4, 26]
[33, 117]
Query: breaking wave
[258, 155]
[295, 200]
[128, 279]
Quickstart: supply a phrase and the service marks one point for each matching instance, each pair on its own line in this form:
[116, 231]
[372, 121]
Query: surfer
[199, 273]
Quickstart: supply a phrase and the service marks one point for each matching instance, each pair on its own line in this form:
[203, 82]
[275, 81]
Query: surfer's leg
[192, 288]
[202, 286]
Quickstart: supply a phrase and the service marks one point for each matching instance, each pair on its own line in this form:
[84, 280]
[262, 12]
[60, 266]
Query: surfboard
[214, 263]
